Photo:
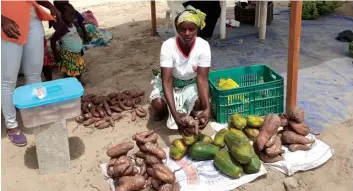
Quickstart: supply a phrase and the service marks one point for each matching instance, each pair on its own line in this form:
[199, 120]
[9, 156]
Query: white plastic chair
[175, 7]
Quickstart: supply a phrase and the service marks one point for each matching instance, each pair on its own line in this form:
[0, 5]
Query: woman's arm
[53, 10]
[202, 86]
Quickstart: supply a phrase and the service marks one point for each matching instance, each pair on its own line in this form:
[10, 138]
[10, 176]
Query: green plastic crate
[260, 92]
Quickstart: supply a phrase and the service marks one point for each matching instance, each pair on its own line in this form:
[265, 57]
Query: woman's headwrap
[193, 15]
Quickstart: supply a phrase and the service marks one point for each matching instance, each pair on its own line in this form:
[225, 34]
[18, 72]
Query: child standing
[69, 58]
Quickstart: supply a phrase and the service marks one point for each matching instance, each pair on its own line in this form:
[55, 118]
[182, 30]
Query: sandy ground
[126, 64]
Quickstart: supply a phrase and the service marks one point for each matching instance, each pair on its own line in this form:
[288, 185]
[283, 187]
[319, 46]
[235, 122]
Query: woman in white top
[181, 88]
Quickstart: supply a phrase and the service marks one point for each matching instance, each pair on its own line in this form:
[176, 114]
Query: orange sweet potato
[267, 159]
[89, 122]
[120, 149]
[300, 128]
[151, 160]
[80, 119]
[163, 173]
[131, 183]
[276, 148]
[270, 126]
[137, 94]
[271, 141]
[103, 125]
[298, 147]
[116, 108]
[156, 183]
[290, 137]
[140, 112]
[145, 137]
[155, 150]
[107, 108]
[133, 115]
[296, 114]
[122, 105]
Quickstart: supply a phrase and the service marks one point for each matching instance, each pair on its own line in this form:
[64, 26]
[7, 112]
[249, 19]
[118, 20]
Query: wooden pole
[263, 19]
[153, 18]
[293, 53]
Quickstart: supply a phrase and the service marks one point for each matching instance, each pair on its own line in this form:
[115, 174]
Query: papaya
[219, 138]
[203, 151]
[251, 133]
[238, 133]
[254, 121]
[238, 121]
[178, 149]
[253, 166]
[205, 138]
[189, 140]
[240, 149]
[227, 165]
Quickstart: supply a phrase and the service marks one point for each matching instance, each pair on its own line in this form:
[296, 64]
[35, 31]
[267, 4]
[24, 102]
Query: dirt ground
[126, 64]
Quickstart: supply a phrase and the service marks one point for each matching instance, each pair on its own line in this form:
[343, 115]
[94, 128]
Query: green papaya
[189, 140]
[253, 166]
[203, 151]
[178, 149]
[238, 121]
[241, 150]
[251, 133]
[254, 121]
[239, 133]
[205, 138]
[219, 137]
[226, 164]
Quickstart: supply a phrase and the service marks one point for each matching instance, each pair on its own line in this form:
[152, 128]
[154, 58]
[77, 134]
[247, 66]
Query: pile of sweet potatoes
[143, 170]
[269, 141]
[102, 111]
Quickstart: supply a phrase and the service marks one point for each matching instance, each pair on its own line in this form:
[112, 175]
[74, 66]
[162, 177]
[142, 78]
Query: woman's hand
[179, 123]
[204, 117]
[10, 28]
[55, 12]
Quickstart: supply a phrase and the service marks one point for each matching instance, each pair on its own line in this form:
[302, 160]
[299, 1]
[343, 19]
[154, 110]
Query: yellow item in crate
[226, 84]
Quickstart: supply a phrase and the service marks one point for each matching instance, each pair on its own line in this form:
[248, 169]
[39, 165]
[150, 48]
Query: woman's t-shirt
[185, 67]
[72, 41]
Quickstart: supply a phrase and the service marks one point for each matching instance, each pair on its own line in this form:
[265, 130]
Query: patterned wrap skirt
[71, 63]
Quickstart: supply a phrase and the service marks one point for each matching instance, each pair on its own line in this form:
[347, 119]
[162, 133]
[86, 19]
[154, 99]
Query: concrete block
[52, 145]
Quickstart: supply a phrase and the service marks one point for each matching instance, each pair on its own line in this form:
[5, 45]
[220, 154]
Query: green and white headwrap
[193, 15]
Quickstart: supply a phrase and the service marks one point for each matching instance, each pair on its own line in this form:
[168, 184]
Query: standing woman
[182, 85]
[22, 36]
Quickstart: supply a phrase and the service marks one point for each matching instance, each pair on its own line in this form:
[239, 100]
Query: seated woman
[182, 85]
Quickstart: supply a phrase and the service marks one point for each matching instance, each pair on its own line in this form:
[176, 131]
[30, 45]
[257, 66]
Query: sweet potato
[298, 147]
[155, 150]
[276, 148]
[156, 183]
[270, 126]
[107, 108]
[94, 112]
[290, 137]
[166, 187]
[149, 182]
[300, 128]
[112, 162]
[122, 105]
[149, 138]
[97, 100]
[80, 119]
[150, 171]
[163, 173]
[116, 108]
[296, 114]
[267, 159]
[191, 123]
[100, 110]
[137, 100]
[140, 112]
[284, 120]
[141, 146]
[84, 107]
[88, 115]
[129, 102]
[137, 94]
[135, 171]
[116, 117]
[100, 122]
[271, 141]
[140, 154]
[126, 92]
[131, 183]
[112, 102]
[133, 115]
[103, 125]
[151, 160]
[111, 122]
[89, 122]
[120, 149]
[112, 95]
[90, 106]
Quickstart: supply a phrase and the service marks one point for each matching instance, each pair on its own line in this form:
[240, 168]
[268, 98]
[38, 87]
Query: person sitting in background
[181, 86]
[69, 59]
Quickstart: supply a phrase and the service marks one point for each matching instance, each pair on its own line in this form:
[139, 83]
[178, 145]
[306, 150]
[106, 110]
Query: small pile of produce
[102, 111]
[313, 9]
[142, 170]
[239, 158]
